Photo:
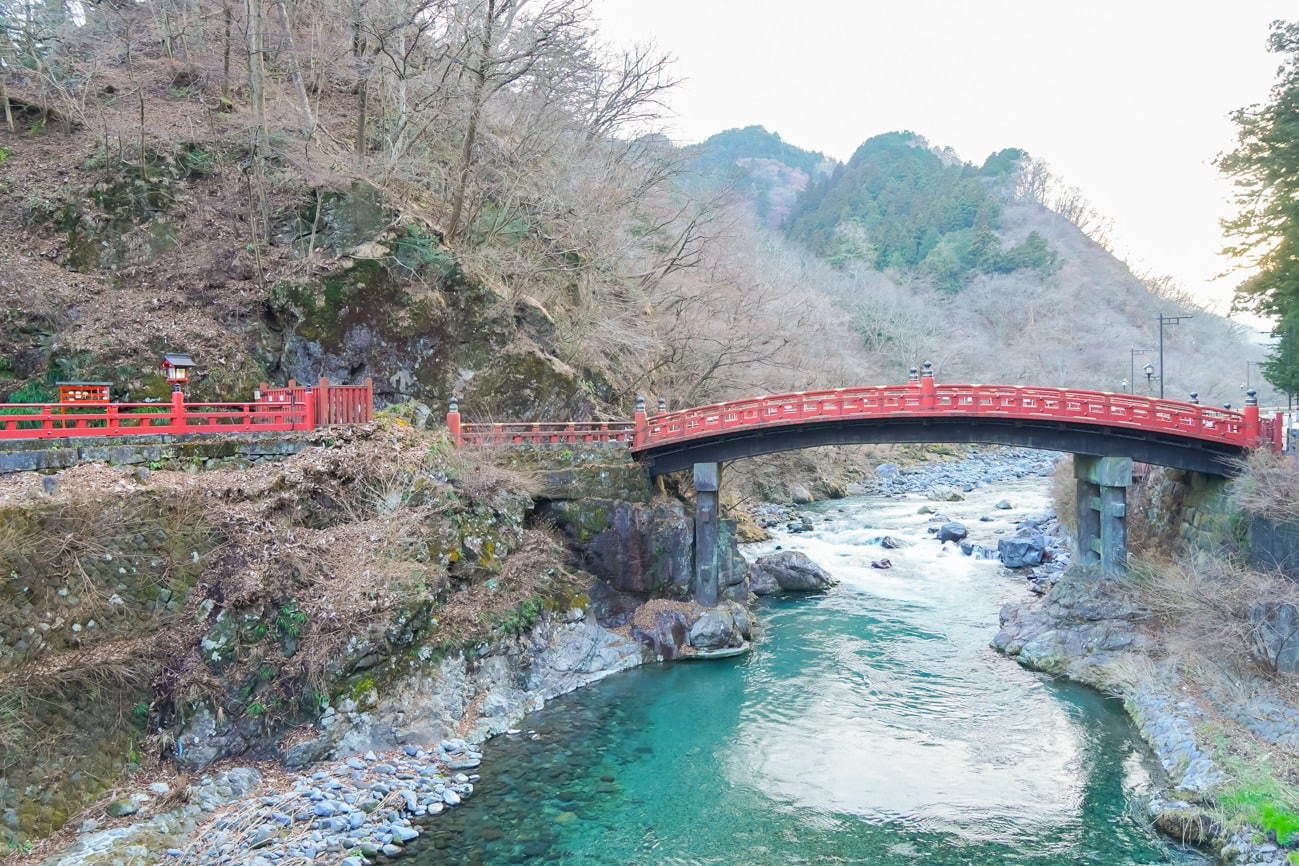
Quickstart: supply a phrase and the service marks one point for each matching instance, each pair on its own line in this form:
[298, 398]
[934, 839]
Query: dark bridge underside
[1158, 448]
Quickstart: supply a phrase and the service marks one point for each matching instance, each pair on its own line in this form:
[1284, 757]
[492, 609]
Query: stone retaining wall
[204, 451]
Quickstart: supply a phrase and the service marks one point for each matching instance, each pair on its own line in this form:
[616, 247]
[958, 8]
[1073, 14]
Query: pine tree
[1265, 232]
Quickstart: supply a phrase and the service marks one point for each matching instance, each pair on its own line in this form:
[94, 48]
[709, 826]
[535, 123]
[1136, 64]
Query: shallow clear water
[871, 724]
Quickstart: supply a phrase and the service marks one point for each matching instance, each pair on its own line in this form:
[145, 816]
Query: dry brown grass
[1269, 485]
[1064, 495]
[1200, 611]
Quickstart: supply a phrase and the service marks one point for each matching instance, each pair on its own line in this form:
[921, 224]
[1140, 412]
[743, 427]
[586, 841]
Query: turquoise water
[871, 724]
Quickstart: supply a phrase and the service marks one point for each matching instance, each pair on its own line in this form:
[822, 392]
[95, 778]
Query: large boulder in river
[952, 531]
[1024, 548]
[792, 571]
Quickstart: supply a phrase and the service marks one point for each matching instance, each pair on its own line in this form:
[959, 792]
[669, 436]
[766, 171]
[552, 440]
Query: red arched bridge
[1105, 433]
[1184, 435]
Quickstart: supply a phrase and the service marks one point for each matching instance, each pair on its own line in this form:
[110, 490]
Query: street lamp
[1132, 367]
[1150, 372]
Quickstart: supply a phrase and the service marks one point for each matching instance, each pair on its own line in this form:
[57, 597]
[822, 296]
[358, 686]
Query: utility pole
[1165, 320]
[1132, 367]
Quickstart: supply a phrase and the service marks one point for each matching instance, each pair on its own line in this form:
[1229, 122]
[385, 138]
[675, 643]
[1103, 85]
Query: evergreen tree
[1265, 232]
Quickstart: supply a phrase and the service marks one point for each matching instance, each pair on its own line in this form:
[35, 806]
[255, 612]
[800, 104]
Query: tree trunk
[256, 73]
[296, 70]
[228, 14]
[359, 49]
[475, 116]
[4, 100]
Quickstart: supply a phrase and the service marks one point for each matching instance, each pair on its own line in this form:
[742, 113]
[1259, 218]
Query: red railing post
[1253, 429]
[368, 410]
[306, 416]
[324, 413]
[928, 390]
[178, 412]
[1278, 432]
[453, 422]
[640, 437]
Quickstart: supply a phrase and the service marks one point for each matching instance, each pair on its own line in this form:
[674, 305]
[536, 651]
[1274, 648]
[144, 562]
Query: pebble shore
[347, 811]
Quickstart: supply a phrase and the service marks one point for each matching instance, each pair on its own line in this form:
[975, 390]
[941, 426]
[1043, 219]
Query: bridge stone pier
[707, 478]
[1103, 484]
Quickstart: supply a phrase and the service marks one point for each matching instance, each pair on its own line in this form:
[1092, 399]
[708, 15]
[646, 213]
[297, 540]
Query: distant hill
[759, 163]
[900, 205]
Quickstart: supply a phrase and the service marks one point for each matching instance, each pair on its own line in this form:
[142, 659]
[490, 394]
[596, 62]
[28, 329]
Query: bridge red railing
[922, 398]
[546, 433]
[60, 420]
[1089, 407]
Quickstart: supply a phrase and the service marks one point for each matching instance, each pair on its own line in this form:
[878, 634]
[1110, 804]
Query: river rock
[666, 633]
[723, 626]
[1024, 548]
[952, 531]
[762, 582]
[1003, 505]
[946, 494]
[800, 495]
[712, 630]
[792, 571]
[887, 471]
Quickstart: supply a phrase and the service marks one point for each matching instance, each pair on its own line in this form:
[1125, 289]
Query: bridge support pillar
[708, 477]
[1102, 511]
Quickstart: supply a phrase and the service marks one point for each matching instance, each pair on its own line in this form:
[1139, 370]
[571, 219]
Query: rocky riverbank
[1101, 631]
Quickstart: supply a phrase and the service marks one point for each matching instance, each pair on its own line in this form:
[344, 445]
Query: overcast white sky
[1127, 100]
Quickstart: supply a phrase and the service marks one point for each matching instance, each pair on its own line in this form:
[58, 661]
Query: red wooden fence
[274, 410]
[334, 404]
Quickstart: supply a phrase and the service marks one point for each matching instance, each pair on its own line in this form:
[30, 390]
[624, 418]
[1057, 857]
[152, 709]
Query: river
[871, 724]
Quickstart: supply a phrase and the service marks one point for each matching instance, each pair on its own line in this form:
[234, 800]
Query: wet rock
[793, 571]
[1003, 505]
[762, 582]
[881, 563]
[946, 494]
[1024, 548]
[952, 531]
[978, 551]
[665, 634]
[715, 628]
[800, 495]
[888, 542]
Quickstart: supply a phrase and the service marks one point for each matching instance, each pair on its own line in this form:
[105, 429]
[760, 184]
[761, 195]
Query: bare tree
[503, 45]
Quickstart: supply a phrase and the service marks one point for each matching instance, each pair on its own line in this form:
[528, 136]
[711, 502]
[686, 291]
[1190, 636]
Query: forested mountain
[997, 271]
[770, 171]
[900, 205]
